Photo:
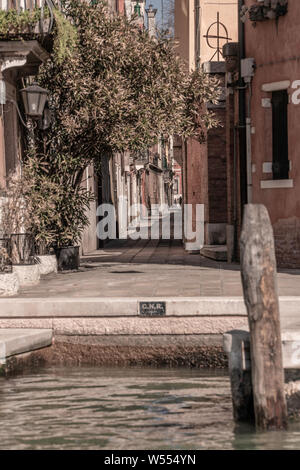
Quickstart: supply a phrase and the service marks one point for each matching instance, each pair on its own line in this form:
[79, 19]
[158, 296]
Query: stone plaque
[153, 309]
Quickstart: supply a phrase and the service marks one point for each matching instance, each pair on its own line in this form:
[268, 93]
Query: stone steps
[15, 341]
[215, 252]
[122, 316]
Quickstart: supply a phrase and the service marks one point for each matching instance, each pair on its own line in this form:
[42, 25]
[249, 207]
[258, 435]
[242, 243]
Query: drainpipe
[242, 116]
[197, 33]
[248, 147]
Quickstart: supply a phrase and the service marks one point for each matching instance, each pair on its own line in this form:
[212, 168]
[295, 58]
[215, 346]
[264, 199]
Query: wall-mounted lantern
[34, 100]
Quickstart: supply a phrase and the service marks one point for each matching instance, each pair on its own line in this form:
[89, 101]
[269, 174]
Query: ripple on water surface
[93, 408]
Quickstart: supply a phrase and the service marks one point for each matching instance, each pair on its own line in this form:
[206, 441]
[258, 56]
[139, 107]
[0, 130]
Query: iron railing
[22, 248]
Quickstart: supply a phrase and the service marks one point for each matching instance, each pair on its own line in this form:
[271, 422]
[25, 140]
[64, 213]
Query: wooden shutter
[280, 134]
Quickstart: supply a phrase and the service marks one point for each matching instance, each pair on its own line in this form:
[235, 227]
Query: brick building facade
[263, 141]
[197, 23]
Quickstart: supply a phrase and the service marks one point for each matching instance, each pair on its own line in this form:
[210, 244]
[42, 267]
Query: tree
[117, 89]
[113, 88]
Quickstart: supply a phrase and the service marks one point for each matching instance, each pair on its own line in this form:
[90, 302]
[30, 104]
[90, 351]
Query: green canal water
[123, 409]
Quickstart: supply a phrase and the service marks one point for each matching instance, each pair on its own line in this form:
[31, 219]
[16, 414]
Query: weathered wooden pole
[236, 344]
[258, 270]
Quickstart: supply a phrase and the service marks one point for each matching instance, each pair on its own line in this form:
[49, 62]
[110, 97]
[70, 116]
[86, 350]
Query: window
[176, 186]
[280, 165]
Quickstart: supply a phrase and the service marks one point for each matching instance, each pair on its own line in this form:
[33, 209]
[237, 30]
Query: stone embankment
[114, 331]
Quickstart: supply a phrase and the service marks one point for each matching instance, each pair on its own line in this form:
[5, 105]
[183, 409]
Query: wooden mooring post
[259, 278]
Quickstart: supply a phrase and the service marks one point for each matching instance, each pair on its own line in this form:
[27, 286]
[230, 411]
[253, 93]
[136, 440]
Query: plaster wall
[275, 46]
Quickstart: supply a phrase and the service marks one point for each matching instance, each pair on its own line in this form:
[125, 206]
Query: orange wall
[182, 29]
[227, 16]
[185, 32]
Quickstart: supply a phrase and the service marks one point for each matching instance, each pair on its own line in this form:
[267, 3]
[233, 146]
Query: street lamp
[34, 100]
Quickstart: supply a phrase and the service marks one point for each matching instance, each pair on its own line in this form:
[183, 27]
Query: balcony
[25, 35]
[26, 19]
[141, 159]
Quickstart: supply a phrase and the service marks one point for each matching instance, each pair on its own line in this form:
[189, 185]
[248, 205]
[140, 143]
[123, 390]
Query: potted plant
[32, 201]
[51, 208]
[268, 10]
[41, 196]
[58, 203]
[9, 281]
[23, 259]
[46, 259]
[67, 257]
[73, 204]
[17, 221]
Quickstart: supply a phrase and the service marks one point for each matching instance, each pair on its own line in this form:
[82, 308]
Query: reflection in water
[91, 408]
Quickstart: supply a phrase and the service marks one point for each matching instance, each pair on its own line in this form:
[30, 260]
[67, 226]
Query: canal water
[123, 409]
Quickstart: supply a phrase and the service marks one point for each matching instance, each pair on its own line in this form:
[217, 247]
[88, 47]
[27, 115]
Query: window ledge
[276, 86]
[270, 184]
[268, 167]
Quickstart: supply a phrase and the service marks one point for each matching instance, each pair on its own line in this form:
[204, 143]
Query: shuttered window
[280, 135]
